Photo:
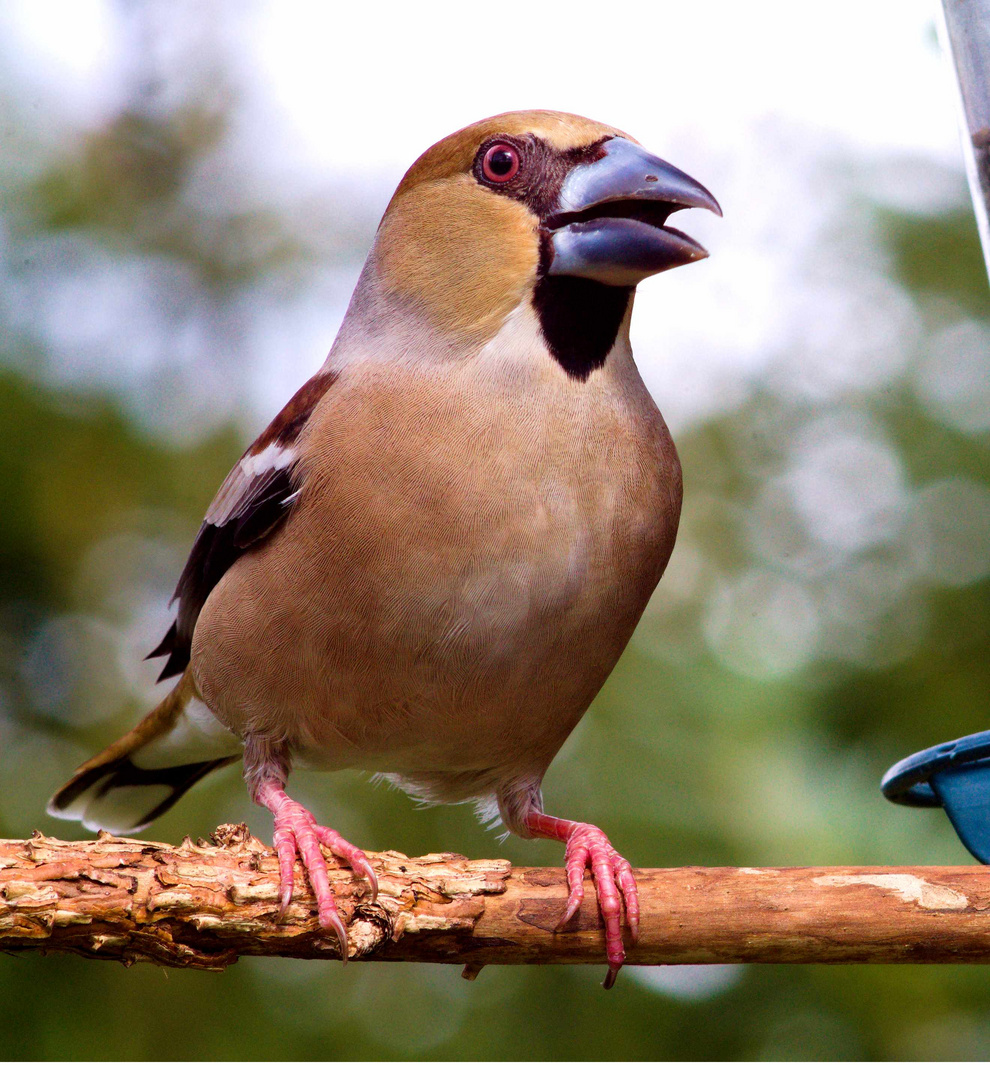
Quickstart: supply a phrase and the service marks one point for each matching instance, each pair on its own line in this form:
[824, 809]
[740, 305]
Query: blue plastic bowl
[956, 776]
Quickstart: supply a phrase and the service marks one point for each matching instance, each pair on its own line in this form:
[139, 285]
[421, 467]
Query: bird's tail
[141, 775]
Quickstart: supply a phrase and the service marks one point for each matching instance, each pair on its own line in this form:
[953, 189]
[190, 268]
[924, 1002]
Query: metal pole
[965, 35]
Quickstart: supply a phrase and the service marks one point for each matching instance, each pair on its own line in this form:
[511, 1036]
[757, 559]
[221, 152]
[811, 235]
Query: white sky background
[863, 69]
[757, 100]
[367, 87]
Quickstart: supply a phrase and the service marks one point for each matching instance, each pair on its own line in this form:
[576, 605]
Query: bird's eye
[500, 163]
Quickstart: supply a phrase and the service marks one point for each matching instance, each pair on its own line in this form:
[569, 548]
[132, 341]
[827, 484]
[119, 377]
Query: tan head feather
[454, 155]
[462, 254]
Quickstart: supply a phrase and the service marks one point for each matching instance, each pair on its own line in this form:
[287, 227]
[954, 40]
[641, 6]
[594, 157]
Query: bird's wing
[255, 498]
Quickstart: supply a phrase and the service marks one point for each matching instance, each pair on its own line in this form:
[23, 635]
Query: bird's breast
[460, 575]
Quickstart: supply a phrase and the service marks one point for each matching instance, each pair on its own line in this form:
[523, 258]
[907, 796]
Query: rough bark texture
[205, 904]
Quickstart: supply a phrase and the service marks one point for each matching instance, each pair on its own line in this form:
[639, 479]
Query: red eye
[500, 163]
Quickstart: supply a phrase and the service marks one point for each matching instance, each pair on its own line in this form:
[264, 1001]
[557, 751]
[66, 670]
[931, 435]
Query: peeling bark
[204, 905]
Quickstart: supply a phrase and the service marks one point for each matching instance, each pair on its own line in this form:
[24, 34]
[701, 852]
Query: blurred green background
[827, 610]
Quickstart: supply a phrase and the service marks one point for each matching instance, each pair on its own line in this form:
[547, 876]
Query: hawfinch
[428, 563]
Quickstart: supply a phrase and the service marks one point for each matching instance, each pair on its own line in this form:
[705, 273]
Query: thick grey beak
[610, 223]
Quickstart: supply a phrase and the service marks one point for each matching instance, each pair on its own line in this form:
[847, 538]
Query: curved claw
[574, 901]
[334, 921]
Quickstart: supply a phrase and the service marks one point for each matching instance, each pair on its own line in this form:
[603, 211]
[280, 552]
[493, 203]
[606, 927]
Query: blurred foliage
[941, 257]
[780, 670]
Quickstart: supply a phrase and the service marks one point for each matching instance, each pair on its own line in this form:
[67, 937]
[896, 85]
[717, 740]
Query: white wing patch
[247, 479]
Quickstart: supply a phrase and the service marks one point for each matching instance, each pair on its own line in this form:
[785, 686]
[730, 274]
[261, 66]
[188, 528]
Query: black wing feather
[248, 506]
[214, 551]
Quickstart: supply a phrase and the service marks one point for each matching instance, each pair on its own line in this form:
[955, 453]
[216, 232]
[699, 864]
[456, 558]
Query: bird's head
[538, 208]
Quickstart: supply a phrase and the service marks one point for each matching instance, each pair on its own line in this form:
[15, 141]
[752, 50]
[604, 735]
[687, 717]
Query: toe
[353, 856]
[630, 895]
[285, 849]
[610, 905]
[575, 861]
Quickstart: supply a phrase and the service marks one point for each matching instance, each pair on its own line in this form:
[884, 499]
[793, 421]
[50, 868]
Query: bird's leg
[587, 845]
[297, 833]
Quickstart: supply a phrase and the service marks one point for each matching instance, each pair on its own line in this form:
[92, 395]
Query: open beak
[610, 220]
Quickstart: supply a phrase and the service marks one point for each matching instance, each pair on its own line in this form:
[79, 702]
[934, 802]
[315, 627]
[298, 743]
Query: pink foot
[587, 846]
[296, 832]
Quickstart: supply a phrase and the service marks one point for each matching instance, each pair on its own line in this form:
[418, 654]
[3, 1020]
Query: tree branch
[204, 905]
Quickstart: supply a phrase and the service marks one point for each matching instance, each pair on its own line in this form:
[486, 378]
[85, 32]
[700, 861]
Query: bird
[428, 563]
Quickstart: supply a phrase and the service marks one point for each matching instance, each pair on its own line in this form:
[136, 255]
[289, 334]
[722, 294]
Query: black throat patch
[580, 320]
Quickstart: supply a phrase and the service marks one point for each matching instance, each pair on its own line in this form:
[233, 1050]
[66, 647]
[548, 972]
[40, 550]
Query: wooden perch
[204, 905]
